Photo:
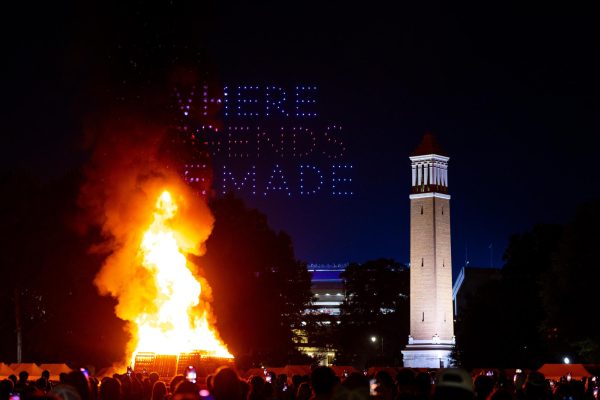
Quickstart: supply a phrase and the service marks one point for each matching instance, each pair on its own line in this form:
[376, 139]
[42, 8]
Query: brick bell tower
[431, 336]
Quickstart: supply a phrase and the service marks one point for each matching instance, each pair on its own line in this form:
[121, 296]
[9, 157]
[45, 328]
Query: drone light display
[272, 141]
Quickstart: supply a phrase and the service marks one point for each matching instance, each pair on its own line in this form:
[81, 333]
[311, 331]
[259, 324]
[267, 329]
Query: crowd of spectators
[321, 384]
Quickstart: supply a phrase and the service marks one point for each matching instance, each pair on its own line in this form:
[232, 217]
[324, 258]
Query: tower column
[431, 317]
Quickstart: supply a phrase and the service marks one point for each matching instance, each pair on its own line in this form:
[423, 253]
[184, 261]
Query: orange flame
[171, 325]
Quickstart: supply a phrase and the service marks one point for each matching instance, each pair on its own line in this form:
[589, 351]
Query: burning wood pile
[174, 332]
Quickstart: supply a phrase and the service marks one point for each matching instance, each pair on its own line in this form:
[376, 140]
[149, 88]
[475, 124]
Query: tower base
[427, 356]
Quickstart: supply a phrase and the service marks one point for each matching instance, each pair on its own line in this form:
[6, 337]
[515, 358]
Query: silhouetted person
[281, 386]
[406, 384]
[186, 390]
[78, 380]
[269, 391]
[536, 387]
[23, 377]
[304, 391]
[176, 381]
[257, 388]
[355, 381]
[271, 377]
[454, 384]
[41, 384]
[110, 389]
[46, 376]
[227, 385]
[153, 377]
[323, 381]
[386, 389]
[6, 388]
[501, 394]
[423, 385]
[125, 382]
[65, 392]
[159, 391]
[209, 382]
[569, 390]
[519, 384]
[94, 386]
[354, 387]
[21, 385]
[296, 381]
[149, 385]
[146, 388]
[483, 387]
[137, 390]
[245, 389]
[504, 381]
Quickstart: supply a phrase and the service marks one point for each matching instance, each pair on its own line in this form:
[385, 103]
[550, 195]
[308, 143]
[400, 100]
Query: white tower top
[429, 164]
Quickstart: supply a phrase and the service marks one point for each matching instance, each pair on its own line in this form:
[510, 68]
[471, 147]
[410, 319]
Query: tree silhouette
[375, 305]
[47, 274]
[502, 322]
[571, 289]
[260, 289]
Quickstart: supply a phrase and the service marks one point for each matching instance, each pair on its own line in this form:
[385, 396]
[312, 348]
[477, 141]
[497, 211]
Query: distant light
[566, 360]
[373, 339]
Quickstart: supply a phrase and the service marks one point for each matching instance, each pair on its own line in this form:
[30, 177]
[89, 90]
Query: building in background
[327, 287]
[328, 291]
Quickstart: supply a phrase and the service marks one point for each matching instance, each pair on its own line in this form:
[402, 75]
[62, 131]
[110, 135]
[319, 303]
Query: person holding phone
[190, 374]
[385, 388]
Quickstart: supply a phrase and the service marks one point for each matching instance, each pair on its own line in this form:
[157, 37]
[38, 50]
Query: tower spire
[429, 145]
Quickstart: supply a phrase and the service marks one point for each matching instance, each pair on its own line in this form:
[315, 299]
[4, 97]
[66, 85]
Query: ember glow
[174, 323]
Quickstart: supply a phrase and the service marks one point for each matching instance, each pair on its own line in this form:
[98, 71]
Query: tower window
[423, 317]
[422, 262]
[442, 210]
[421, 210]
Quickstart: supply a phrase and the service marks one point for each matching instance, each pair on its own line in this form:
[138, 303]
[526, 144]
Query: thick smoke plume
[132, 163]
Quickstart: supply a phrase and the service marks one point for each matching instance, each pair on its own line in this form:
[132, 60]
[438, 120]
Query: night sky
[510, 91]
